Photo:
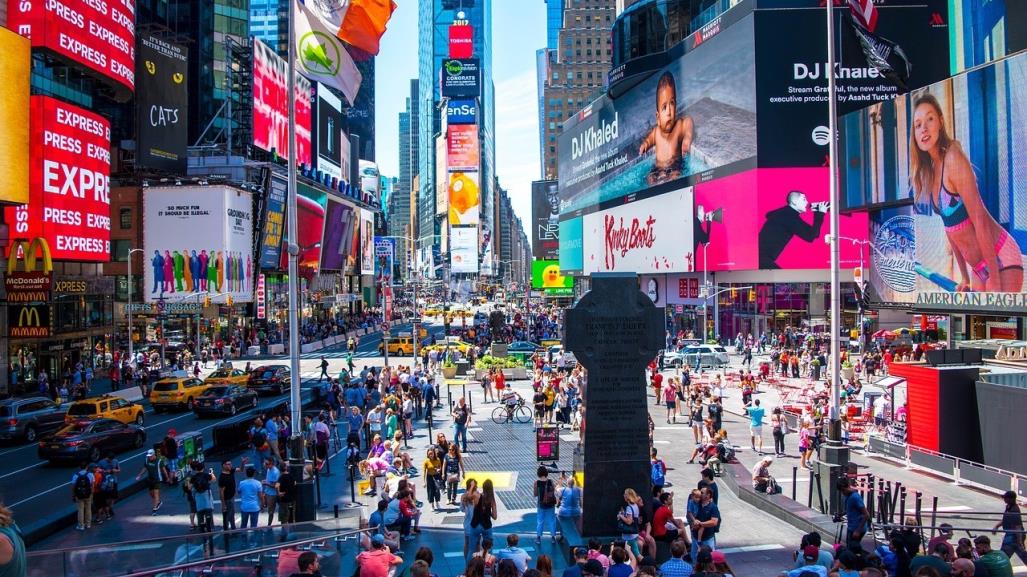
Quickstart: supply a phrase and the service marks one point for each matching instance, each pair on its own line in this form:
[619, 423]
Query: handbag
[627, 528]
[453, 478]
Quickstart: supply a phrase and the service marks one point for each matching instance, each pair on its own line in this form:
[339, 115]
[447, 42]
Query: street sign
[160, 305]
[547, 444]
[385, 326]
[417, 320]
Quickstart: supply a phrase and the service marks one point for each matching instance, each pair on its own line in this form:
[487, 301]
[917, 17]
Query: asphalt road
[36, 489]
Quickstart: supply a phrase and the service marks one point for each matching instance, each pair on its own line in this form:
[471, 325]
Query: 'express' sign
[69, 182]
[99, 34]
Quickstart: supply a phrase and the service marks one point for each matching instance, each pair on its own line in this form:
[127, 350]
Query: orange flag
[365, 22]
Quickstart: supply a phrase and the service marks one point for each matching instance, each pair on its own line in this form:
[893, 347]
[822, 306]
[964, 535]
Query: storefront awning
[890, 382]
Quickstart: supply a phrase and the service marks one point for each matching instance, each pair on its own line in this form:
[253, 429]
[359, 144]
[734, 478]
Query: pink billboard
[725, 221]
[793, 220]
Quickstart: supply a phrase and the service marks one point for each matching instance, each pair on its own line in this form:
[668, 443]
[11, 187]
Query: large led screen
[271, 106]
[696, 115]
[961, 154]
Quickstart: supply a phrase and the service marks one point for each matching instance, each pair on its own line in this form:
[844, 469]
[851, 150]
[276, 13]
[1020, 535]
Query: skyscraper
[435, 17]
[576, 68]
[399, 214]
[264, 21]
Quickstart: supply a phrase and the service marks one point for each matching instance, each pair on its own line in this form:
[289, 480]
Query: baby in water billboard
[671, 138]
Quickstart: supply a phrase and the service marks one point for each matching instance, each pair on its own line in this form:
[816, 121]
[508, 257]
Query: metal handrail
[188, 536]
[258, 551]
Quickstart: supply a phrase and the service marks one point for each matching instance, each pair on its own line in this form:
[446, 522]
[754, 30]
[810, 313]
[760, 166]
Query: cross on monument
[614, 332]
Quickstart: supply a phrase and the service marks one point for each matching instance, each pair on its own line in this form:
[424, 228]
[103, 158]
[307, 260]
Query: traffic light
[734, 294]
[752, 295]
[206, 301]
[229, 300]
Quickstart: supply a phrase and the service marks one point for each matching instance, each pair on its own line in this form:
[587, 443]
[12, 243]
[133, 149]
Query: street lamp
[131, 353]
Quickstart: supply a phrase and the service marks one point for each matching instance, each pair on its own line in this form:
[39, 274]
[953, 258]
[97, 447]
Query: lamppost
[706, 290]
[131, 352]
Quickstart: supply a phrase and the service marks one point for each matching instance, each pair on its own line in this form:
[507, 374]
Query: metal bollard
[894, 501]
[902, 505]
[870, 496]
[795, 475]
[809, 497]
[934, 514]
[918, 509]
[820, 494]
[336, 511]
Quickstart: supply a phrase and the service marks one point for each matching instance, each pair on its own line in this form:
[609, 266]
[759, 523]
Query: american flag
[864, 12]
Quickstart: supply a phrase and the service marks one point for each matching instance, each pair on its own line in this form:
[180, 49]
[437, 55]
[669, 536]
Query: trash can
[462, 367]
[306, 497]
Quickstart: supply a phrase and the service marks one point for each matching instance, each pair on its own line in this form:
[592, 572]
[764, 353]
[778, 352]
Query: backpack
[83, 488]
[201, 482]
[109, 483]
[259, 438]
[658, 473]
[549, 496]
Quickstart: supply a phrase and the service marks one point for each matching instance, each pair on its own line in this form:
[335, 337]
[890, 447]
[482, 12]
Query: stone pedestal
[614, 331]
[832, 464]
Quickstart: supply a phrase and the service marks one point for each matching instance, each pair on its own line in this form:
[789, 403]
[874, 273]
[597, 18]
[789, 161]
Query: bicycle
[507, 413]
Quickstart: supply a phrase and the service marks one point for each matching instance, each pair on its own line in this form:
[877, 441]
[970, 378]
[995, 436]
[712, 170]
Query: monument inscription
[614, 331]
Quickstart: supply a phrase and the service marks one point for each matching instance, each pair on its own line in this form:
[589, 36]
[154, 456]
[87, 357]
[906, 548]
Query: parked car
[225, 400]
[569, 360]
[227, 377]
[523, 347]
[177, 392]
[710, 355]
[272, 379]
[26, 419]
[105, 407]
[89, 440]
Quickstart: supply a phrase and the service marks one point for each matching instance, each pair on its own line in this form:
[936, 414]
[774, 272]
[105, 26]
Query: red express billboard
[98, 34]
[69, 182]
[271, 106]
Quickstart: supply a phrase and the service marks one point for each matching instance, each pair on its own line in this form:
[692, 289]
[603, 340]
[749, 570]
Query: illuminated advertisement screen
[545, 275]
[69, 182]
[98, 34]
[463, 249]
[338, 238]
[14, 118]
[960, 245]
[162, 105]
[274, 222]
[311, 204]
[545, 219]
[463, 148]
[461, 41]
[271, 106]
[464, 198]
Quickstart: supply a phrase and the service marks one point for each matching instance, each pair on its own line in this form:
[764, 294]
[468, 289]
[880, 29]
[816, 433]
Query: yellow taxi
[105, 407]
[452, 343]
[403, 344]
[430, 312]
[227, 377]
[179, 393]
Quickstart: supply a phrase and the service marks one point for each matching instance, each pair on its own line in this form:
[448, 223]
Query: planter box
[848, 373]
[448, 372]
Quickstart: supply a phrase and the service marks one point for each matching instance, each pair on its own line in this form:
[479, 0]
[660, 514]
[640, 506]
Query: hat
[580, 552]
[811, 553]
[151, 453]
[378, 539]
[718, 557]
[593, 567]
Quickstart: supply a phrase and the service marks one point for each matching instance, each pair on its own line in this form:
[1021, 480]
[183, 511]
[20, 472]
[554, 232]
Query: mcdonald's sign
[29, 286]
[29, 321]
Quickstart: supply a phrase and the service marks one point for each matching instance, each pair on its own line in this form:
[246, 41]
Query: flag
[364, 23]
[864, 12]
[320, 54]
[883, 54]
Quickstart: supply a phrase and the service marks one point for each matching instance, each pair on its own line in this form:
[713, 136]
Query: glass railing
[244, 552]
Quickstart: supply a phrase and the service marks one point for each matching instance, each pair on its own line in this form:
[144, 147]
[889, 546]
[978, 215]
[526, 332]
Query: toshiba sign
[98, 34]
[69, 182]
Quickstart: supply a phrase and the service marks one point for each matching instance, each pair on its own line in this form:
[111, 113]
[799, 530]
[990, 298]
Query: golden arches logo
[29, 317]
[29, 248]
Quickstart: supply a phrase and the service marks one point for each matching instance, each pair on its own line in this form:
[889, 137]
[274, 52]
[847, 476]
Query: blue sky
[518, 29]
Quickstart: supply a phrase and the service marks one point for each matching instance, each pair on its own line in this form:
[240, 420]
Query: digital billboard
[463, 249]
[463, 148]
[965, 154]
[311, 204]
[271, 106]
[162, 105]
[215, 257]
[441, 178]
[461, 78]
[384, 259]
[461, 41]
[572, 258]
[274, 222]
[546, 275]
[366, 241]
[461, 112]
[14, 118]
[329, 135]
[338, 235]
[464, 198]
[69, 182]
[626, 148]
[545, 219]
[651, 235]
[790, 71]
[97, 34]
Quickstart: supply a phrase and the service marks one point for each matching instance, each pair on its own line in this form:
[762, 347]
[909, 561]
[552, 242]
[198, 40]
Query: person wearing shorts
[670, 398]
[756, 412]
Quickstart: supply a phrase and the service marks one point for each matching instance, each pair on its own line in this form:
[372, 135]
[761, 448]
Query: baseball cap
[718, 557]
[378, 539]
[593, 567]
[580, 552]
[810, 552]
[150, 453]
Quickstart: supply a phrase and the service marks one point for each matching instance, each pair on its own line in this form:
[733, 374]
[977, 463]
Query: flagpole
[834, 433]
[296, 449]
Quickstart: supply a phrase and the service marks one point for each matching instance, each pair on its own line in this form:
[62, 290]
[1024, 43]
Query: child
[671, 137]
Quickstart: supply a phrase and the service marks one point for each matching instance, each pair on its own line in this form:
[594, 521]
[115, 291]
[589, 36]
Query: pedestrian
[467, 504]
[998, 563]
[82, 495]
[513, 554]
[270, 486]
[110, 468]
[13, 559]
[755, 412]
[154, 474]
[286, 497]
[545, 505]
[200, 481]
[669, 399]
[379, 561]
[453, 468]
[484, 514]
[1012, 524]
[324, 371]
[706, 523]
[432, 469]
[628, 519]
[250, 499]
[856, 515]
[778, 427]
[461, 419]
[226, 492]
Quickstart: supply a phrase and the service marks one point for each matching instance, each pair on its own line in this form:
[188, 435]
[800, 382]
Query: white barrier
[276, 349]
[129, 394]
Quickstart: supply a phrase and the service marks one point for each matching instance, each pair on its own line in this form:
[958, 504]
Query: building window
[119, 250]
[125, 217]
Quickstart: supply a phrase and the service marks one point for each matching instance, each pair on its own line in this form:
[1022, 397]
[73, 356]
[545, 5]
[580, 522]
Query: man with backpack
[657, 471]
[259, 441]
[82, 494]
